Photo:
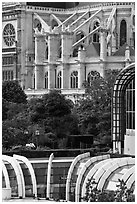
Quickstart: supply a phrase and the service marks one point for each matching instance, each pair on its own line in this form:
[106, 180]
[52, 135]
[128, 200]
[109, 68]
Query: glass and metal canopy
[123, 105]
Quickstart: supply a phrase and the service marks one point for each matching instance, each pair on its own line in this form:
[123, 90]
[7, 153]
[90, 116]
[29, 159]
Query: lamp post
[37, 135]
[26, 135]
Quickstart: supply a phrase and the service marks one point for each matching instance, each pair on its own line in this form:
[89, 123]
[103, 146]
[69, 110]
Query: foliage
[12, 92]
[14, 130]
[5, 109]
[122, 194]
[94, 111]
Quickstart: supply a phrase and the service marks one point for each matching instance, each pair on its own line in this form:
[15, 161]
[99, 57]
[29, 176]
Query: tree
[56, 105]
[94, 111]
[12, 92]
[15, 130]
[52, 114]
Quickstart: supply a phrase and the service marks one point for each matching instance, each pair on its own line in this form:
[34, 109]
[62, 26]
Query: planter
[6, 193]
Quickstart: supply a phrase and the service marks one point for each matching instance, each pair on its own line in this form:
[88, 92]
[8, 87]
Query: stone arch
[119, 106]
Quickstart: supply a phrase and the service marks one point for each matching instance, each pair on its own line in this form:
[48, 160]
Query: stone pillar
[51, 76]
[109, 49]
[127, 56]
[39, 76]
[53, 53]
[66, 42]
[28, 77]
[39, 59]
[113, 35]
[103, 50]
[66, 45]
[53, 47]
[81, 73]
[40, 44]
[65, 76]
[103, 44]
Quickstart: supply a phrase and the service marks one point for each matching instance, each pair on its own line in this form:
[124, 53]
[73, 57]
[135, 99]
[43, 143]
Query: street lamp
[37, 135]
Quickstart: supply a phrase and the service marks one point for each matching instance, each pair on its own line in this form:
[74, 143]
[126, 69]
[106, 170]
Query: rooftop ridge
[19, 4]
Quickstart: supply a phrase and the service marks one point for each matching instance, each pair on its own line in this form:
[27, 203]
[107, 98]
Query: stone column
[113, 35]
[53, 53]
[66, 44]
[53, 47]
[51, 76]
[39, 76]
[65, 76]
[81, 60]
[127, 56]
[39, 59]
[103, 44]
[103, 50]
[28, 77]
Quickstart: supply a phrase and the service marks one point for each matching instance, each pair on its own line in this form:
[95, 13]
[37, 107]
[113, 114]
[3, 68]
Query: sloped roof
[121, 51]
[93, 50]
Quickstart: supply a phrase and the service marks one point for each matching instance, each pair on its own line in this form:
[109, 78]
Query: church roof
[122, 49]
[93, 50]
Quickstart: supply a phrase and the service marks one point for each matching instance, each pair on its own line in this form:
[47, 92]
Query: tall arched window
[46, 80]
[75, 51]
[96, 35]
[46, 53]
[59, 80]
[34, 80]
[54, 24]
[123, 32]
[92, 76]
[79, 35]
[74, 80]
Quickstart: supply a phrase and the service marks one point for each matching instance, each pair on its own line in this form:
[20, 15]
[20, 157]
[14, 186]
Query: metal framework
[119, 106]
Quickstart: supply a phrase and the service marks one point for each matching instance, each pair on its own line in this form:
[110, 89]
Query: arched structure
[71, 178]
[123, 107]
[19, 174]
[6, 177]
[31, 170]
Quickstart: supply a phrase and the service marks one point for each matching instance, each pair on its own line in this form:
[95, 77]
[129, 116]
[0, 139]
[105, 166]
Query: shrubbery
[122, 194]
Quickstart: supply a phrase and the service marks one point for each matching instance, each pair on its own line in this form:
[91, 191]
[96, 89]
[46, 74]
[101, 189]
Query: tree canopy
[12, 92]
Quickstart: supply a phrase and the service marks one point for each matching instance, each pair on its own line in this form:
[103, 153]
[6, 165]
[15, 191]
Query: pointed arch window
[79, 36]
[46, 80]
[59, 80]
[92, 76]
[34, 80]
[74, 80]
[96, 35]
[123, 32]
